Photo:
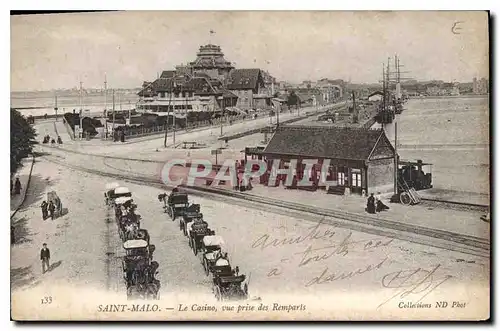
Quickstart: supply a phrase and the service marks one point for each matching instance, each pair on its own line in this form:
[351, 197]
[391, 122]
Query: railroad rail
[122, 158]
[373, 225]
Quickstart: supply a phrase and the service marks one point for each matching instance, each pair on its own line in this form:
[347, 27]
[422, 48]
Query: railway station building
[360, 159]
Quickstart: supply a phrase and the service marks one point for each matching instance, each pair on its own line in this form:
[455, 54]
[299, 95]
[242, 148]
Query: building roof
[210, 56]
[376, 93]
[167, 74]
[199, 85]
[328, 142]
[228, 94]
[242, 79]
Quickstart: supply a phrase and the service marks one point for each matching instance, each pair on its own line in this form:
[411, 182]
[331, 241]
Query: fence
[131, 132]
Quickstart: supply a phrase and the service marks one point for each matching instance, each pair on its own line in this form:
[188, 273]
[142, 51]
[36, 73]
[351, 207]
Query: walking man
[44, 210]
[45, 257]
[52, 209]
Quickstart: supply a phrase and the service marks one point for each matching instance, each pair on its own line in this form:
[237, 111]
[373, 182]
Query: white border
[196, 5]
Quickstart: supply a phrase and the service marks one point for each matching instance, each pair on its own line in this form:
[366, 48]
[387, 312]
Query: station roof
[329, 142]
[241, 79]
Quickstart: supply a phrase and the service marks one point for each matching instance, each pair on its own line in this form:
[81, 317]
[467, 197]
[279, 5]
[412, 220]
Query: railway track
[446, 203]
[373, 225]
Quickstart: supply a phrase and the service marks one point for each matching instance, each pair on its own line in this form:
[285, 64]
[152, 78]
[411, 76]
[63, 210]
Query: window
[341, 179]
[356, 177]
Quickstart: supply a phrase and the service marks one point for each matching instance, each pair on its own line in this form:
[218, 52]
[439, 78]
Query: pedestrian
[52, 209]
[45, 257]
[11, 185]
[44, 210]
[17, 186]
[380, 206]
[370, 205]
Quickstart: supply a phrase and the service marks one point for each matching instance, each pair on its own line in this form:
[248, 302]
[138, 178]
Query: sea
[451, 133]
[39, 103]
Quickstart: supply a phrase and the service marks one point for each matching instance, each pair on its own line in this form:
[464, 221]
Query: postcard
[250, 165]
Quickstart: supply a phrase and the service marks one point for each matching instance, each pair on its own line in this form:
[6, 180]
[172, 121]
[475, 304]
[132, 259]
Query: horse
[163, 197]
[143, 234]
[152, 248]
[135, 292]
[152, 290]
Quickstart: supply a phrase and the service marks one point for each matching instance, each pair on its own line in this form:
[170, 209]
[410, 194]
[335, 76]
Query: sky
[54, 51]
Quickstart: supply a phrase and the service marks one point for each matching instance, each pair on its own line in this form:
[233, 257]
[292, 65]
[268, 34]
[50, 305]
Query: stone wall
[381, 176]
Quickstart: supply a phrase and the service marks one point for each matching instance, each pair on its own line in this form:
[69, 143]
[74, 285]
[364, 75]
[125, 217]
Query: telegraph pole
[173, 123]
[168, 111]
[396, 157]
[55, 107]
[129, 112]
[106, 106]
[113, 127]
[80, 132]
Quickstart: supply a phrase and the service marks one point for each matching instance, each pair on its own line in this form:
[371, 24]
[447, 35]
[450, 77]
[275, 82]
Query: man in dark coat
[44, 210]
[52, 209]
[45, 257]
[370, 205]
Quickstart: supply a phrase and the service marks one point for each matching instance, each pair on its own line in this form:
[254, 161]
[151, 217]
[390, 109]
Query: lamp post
[80, 131]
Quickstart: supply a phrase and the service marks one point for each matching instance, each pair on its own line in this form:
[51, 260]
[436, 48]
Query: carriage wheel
[405, 198]
[205, 266]
[195, 249]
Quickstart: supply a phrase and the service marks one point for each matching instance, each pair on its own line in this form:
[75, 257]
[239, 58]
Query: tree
[22, 139]
[293, 99]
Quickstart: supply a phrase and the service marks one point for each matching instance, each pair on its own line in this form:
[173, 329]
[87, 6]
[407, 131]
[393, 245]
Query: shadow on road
[38, 185]
[54, 266]
[22, 277]
[22, 233]
[15, 199]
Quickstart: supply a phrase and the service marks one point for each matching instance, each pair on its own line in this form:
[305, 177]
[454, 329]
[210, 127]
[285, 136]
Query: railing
[131, 133]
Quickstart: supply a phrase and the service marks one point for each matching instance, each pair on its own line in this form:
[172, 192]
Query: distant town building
[211, 83]
[248, 85]
[376, 96]
[480, 86]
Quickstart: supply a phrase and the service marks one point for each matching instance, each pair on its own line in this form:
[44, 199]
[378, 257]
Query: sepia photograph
[250, 166]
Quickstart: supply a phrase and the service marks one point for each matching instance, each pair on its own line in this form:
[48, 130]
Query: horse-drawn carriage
[196, 231]
[52, 196]
[227, 284]
[138, 270]
[113, 191]
[211, 246]
[177, 204]
[130, 229]
[192, 213]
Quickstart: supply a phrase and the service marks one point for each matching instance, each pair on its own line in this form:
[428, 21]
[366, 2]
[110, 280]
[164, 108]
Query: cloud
[133, 46]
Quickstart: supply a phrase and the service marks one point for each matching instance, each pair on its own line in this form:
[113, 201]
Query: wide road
[286, 259]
